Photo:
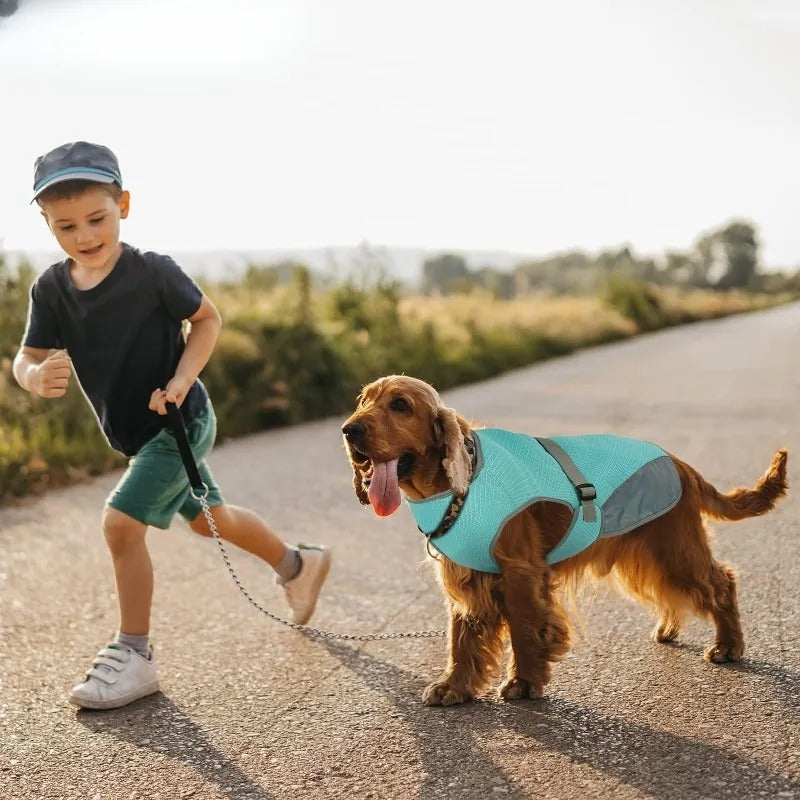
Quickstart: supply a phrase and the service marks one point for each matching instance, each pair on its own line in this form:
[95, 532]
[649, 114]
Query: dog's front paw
[520, 689]
[720, 652]
[442, 693]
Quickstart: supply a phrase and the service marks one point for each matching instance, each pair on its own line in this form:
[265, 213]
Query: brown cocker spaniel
[402, 438]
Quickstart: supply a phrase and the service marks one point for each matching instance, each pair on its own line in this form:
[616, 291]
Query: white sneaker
[302, 590]
[119, 675]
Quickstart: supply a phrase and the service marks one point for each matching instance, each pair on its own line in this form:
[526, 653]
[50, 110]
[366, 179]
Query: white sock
[290, 564]
[141, 644]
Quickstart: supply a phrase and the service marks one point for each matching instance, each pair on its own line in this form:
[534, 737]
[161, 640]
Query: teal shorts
[155, 486]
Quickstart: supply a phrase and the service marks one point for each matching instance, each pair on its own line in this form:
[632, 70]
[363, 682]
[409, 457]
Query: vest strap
[587, 493]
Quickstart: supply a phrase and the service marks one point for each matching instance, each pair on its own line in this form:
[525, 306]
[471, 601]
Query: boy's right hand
[51, 376]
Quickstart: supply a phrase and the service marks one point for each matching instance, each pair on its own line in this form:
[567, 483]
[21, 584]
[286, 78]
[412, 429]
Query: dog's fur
[666, 563]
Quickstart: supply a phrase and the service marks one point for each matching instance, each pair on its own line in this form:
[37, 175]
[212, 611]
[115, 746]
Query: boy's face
[87, 225]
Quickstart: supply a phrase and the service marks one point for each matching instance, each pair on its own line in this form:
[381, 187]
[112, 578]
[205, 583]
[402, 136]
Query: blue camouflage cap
[75, 161]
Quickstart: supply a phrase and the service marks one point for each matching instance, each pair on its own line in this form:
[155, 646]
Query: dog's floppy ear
[358, 485]
[456, 462]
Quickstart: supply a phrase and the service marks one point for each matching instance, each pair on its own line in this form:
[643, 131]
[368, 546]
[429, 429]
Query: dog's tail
[743, 503]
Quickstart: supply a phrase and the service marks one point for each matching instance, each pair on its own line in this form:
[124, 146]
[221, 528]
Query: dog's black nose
[353, 431]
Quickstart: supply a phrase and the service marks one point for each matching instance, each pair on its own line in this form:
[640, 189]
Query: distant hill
[402, 263]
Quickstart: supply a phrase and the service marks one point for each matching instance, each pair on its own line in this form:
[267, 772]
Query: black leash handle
[176, 425]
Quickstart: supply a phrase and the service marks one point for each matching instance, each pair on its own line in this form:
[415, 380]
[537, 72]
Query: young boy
[114, 315]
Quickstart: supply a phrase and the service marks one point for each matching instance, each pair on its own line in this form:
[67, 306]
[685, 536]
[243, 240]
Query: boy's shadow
[156, 723]
[659, 764]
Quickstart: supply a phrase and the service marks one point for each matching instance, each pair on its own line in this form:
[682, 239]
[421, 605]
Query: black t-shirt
[124, 337]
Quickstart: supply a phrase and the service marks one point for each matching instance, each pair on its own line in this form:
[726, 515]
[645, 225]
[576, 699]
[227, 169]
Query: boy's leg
[301, 570]
[133, 570]
[122, 672]
[245, 529]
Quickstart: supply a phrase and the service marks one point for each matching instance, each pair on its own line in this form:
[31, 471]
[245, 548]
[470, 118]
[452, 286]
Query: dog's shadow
[452, 742]
[155, 723]
[784, 683]
[659, 764]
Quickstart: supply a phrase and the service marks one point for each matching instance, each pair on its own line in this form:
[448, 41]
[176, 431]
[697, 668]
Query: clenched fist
[175, 392]
[51, 376]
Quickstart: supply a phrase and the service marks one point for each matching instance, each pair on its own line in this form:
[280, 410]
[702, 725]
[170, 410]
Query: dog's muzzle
[353, 432]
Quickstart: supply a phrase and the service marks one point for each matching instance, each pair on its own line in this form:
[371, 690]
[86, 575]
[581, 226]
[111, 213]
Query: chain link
[365, 637]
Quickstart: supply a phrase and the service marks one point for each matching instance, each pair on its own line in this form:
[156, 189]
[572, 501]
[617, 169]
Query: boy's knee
[200, 524]
[121, 531]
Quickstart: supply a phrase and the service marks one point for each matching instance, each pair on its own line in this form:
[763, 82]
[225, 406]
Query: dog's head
[402, 437]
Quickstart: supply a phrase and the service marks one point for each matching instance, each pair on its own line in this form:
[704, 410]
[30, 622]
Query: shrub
[287, 355]
[634, 299]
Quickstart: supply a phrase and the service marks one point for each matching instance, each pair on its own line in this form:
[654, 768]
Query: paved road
[251, 709]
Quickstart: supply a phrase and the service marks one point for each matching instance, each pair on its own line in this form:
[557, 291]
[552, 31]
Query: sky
[513, 125]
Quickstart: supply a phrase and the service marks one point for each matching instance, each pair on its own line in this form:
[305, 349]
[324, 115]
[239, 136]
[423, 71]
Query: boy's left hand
[175, 392]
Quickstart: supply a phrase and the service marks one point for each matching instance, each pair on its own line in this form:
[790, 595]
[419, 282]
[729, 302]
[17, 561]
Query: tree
[728, 258]
[371, 267]
[443, 271]
[741, 252]
[301, 291]
[685, 269]
[562, 273]
[500, 284]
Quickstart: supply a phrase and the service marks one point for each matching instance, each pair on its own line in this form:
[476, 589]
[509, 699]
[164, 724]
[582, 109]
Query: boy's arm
[40, 373]
[206, 324]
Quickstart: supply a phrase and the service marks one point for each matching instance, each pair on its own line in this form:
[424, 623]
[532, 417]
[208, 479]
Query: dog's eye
[399, 404]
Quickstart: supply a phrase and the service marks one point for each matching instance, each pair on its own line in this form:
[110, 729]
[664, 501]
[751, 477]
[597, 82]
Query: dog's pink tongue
[384, 491]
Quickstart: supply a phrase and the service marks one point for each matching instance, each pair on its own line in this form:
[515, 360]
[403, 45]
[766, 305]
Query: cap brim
[78, 175]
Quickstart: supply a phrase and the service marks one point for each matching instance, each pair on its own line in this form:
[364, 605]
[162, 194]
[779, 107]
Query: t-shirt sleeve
[41, 329]
[179, 293]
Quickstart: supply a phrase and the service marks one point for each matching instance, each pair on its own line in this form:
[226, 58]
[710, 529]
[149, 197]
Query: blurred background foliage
[296, 347]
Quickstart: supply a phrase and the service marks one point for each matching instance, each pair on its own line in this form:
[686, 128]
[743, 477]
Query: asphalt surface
[252, 709]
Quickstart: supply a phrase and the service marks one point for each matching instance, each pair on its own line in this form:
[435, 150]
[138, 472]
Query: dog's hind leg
[711, 594]
[677, 574]
[729, 641]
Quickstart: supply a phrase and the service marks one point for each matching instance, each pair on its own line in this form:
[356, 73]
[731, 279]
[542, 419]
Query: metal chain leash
[366, 637]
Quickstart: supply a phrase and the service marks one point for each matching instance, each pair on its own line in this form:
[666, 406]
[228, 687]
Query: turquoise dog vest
[611, 484]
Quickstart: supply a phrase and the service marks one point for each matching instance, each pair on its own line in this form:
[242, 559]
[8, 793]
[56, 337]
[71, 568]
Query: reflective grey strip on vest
[586, 491]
